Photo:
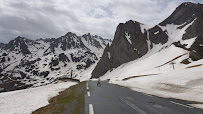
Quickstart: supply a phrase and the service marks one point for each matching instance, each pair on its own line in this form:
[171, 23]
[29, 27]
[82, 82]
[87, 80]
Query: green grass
[69, 101]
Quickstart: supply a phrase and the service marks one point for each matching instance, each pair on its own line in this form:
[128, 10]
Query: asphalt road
[114, 99]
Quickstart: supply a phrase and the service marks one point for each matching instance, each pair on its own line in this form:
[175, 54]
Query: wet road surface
[114, 99]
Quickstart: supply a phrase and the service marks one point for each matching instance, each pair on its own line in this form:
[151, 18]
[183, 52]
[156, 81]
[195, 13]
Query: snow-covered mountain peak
[94, 41]
[184, 14]
[29, 63]
[70, 34]
[19, 45]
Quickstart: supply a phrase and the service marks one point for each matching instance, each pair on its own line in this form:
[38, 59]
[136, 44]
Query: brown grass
[171, 60]
[130, 78]
[194, 66]
[137, 76]
[69, 101]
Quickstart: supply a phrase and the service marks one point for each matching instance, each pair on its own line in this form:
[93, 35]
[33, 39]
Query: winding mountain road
[114, 99]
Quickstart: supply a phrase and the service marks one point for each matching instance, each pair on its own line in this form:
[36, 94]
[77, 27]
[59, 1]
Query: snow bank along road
[114, 99]
[27, 100]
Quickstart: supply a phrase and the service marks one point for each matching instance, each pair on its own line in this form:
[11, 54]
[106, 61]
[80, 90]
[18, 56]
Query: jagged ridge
[29, 63]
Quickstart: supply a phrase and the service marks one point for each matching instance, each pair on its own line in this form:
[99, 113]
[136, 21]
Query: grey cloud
[53, 18]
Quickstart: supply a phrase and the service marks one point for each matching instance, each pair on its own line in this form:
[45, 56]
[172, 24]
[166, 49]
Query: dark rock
[121, 50]
[1, 69]
[19, 42]
[54, 62]
[75, 59]
[185, 61]
[91, 40]
[23, 75]
[195, 29]
[178, 44]
[103, 65]
[197, 47]
[44, 74]
[4, 54]
[184, 14]
[2, 60]
[2, 45]
[194, 56]
[35, 72]
[63, 58]
[38, 59]
[156, 35]
[88, 63]
[52, 69]
[27, 63]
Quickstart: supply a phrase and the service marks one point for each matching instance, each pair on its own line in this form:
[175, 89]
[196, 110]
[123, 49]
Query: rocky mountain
[133, 40]
[30, 63]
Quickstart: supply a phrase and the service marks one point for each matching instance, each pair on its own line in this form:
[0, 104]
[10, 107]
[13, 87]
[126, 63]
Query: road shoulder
[69, 101]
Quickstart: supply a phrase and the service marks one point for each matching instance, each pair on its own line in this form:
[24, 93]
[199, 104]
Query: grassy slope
[69, 101]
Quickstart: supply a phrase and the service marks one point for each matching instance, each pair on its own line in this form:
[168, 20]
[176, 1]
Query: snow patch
[127, 35]
[175, 84]
[156, 32]
[144, 27]
[142, 66]
[189, 42]
[109, 55]
[197, 105]
[174, 33]
[27, 100]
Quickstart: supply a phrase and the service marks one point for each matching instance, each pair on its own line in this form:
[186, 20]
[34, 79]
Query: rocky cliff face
[133, 40]
[29, 63]
[124, 47]
[130, 42]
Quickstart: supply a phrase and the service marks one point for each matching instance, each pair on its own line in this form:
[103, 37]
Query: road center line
[91, 111]
[88, 93]
[181, 104]
[87, 87]
[133, 106]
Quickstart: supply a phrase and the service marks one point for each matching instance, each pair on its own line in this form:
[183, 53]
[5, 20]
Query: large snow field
[181, 83]
[148, 63]
[184, 84]
[27, 100]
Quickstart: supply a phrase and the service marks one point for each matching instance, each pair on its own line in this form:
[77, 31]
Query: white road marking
[181, 104]
[133, 106]
[88, 93]
[91, 111]
[87, 84]
[87, 87]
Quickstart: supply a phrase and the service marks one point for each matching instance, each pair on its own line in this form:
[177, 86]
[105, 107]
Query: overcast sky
[53, 18]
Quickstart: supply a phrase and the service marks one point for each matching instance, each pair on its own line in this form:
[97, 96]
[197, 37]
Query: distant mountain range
[30, 63]
[132, 40]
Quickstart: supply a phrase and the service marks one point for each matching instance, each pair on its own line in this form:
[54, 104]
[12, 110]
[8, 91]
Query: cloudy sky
[53, 18]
